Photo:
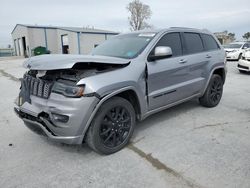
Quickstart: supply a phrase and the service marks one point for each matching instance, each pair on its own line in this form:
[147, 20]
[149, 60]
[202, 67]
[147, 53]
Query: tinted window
[233, 45]
[124, 46]
[209, 42]
[246, 45]
[193, 43]
[173, 40]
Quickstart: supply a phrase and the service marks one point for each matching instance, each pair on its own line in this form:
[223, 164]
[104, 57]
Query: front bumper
[244, 65]
[39, 116]
[39, 126]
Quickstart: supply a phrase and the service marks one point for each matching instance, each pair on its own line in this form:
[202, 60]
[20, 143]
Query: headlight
[67, 90]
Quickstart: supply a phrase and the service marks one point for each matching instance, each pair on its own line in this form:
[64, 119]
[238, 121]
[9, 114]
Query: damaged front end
[43, 83]
[52, 103]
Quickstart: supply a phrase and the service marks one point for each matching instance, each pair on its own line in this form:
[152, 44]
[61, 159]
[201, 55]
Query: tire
[241, 71]
[112, 126]
[213, 93]
[239, 57]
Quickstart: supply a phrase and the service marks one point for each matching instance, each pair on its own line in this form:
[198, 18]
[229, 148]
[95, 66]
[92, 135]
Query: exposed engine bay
[72, 76]
[41, 83]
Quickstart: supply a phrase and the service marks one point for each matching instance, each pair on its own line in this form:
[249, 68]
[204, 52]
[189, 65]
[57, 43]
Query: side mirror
[161, 52]
[245, 47]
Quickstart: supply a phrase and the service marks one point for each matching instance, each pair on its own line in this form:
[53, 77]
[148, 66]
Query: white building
[224, 37]
[57, 40]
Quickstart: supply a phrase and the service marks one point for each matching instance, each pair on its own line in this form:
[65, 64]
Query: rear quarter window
[247, 45]
[193, 43]
[209, 42]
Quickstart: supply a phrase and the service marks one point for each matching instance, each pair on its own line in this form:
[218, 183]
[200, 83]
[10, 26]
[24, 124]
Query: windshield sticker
[146, 35]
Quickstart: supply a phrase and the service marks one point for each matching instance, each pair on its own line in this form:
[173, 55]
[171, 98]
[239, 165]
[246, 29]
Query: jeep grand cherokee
[98, 98]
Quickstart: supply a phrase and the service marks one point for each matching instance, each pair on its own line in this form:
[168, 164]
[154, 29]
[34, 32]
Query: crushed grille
[38, 87]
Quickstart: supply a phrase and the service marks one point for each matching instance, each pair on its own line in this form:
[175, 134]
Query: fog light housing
[60, 118]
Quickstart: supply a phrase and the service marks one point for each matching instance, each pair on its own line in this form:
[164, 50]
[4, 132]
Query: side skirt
[168, 106]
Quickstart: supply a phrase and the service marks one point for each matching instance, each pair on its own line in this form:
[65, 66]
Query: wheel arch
[128, 93]
[132, 97]
[217, 70]
[220, 71]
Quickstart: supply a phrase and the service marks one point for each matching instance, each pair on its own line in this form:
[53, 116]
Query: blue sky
[215, 15]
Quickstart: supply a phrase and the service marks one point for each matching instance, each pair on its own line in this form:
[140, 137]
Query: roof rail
[182, 28]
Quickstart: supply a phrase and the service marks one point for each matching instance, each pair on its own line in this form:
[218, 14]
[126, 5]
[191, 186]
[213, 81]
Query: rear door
[197, 61]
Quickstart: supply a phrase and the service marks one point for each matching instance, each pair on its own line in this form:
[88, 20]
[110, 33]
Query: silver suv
[98, 98]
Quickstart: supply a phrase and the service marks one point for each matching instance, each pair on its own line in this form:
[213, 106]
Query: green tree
[246, 35]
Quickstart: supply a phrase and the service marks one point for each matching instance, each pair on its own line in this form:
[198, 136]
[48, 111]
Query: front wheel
[112, 127]
[213, 93]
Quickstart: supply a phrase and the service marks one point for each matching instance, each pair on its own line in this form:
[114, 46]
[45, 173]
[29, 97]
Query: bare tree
[139, 13]
[246, 36]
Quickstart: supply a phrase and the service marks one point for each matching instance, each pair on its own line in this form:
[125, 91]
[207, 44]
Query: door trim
[144, 116]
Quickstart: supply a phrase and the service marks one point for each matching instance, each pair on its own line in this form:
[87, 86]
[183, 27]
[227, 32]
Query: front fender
[107, 97]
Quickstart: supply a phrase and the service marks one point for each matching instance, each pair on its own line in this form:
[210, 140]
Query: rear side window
[172, 40]
[246, 45]
[209, 42]
[193, 43]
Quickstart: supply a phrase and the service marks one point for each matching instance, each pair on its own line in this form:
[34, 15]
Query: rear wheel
[112, 126]
[213, 93]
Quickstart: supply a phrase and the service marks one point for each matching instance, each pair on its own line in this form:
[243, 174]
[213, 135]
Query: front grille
[243, 67]
[38, 87]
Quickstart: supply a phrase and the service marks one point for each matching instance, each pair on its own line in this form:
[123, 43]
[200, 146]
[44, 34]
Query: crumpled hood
[66, 61]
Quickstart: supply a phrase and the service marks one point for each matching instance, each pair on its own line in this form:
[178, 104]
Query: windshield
[234, 45]
[124, 46]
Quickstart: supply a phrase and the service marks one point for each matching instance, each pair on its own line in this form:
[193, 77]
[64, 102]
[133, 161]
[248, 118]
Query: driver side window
[172, 40]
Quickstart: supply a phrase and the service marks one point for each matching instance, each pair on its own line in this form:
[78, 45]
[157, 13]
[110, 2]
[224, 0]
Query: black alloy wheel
[115, 127]
[213, 93]
[216, 90]
[112, 126]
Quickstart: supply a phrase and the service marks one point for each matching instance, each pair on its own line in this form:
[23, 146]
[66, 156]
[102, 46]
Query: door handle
[183, 61]
[208, 56]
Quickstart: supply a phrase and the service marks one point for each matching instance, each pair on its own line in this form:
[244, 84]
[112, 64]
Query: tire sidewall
[96, 123]
[214, 77]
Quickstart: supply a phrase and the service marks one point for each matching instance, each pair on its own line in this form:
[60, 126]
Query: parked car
[244, 62]
[98, 98]
[234, 50]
